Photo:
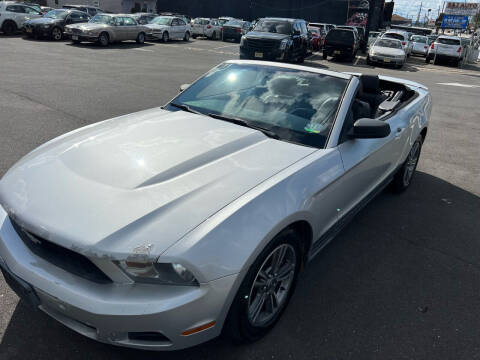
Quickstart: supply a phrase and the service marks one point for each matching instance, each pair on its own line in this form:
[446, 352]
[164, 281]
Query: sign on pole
[455, 22]
[461, 8]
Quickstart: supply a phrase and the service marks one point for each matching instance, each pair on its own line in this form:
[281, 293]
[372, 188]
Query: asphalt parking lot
[400, 282]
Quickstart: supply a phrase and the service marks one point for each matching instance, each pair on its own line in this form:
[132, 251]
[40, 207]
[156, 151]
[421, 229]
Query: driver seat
[371, 93]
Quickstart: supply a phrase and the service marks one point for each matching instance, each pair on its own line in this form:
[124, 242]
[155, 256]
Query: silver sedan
[106, 29]
[163, 228]
[387, 51]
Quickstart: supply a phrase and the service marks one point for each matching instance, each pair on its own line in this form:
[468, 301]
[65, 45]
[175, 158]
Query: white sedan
[162, 229]
[387, 51]
[168, 28]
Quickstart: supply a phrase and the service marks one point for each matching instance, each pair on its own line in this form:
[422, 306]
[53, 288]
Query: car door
[120, 29]
[175, 32]
[368, 163]
[132, 29]
[182, 29]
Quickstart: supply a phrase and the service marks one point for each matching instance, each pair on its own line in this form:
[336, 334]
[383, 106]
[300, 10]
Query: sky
[410, 7]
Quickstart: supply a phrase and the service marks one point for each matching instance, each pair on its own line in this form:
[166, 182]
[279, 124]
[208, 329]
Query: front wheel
[103, 39]
[403, 178]
[187, 36]
[266, 289]
[56, 34]
[369, 62]
[165, 37]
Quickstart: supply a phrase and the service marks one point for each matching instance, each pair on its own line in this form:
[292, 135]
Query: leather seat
[370, 92]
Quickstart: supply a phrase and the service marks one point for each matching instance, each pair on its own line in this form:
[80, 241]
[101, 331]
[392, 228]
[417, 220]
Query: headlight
[283, 44]
[372, 52]
[159, 273]
[242, 40]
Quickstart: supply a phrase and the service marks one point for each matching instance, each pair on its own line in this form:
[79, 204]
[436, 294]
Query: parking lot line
[459, 85]
[226, 46]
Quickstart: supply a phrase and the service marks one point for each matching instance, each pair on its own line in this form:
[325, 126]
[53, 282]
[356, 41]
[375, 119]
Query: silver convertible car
[164, 228]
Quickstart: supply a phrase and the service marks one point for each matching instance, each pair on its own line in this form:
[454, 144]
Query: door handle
[399, 132]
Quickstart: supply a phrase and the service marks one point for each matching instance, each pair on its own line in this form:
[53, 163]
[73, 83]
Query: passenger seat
[371, 93]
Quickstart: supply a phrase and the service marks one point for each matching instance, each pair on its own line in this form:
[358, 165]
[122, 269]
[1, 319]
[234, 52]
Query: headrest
[370, 83]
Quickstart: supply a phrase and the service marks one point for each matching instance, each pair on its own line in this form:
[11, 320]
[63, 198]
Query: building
[114, 6]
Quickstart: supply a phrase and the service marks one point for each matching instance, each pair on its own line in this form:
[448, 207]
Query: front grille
[262, 44]
[61, 257]
[76, 31]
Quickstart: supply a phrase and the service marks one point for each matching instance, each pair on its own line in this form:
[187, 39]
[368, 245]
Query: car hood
[89, 26]
[156, 26]
[43, 21]
[266, 35]
[388, 51]
[144, 179]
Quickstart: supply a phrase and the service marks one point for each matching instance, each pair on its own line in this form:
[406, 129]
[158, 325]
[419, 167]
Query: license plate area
[24, 290]
[258, 54]
[28, 30]
[387, 60]
[74, 37]
[337, 52]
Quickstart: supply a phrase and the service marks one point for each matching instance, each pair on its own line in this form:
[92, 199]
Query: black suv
[276, 39]
[341, 43]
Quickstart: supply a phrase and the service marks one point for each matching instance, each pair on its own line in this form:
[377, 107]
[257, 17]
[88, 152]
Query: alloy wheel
[411, 164]
[56, 34]
[271, 286]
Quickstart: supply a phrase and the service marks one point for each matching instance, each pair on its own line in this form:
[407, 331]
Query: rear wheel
[324, 55]
[194, 36]
[187, 36]
[140, 38]
[9, 27]
[76, 41]
[266, 289]
[427, 60]
[214, 36]
[403, 178]
[56, 34]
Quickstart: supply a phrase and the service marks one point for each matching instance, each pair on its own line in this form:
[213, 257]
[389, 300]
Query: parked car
[144, 18]
[353, 28]
[341, 43]
[324, 28]
[387, 51]
[90, 10]
[224, 19]
[372, 37]
[169, 28]
[52, 25]
[317, 39]
[447, 48]
[402, 36]
[276, 39]
[108, 28]
[162, 229]
[13, 15]
[234, 29]
[33, 5]
[419, 45]
[431, 39]
[210, 28]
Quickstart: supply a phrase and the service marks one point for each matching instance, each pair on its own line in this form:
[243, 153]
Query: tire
[435, 61]
[403, 178]
[324, 55]
[187, 36]
[103, 39]
[76, 41]
[243, 323]
[369, 62]
[56, 34]
[140, 38]
[9, 27]
[194, 36]
[214, 36]
[427, 60]
[165, 37]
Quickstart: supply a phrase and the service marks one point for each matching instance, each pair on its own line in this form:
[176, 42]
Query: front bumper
[259, 54]
[111, 313]
[39, 31]
[155, 36]
[386, 60]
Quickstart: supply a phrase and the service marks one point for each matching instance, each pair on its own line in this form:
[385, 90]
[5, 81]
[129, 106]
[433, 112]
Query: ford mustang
[164, 228]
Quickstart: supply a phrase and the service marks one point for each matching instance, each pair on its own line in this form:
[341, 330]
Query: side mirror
[369, 129]
[183, 87]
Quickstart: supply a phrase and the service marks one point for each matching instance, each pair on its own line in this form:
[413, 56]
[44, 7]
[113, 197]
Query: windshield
[160, 20]
[274, 26]
[394, 44]
[102, 19]
[299, 106]
[419, 39]
[446, 41]
[394, 36]
[56, 14]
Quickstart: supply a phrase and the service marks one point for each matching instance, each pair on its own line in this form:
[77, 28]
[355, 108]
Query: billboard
[455, 22]
[461, 8]
[358, 13]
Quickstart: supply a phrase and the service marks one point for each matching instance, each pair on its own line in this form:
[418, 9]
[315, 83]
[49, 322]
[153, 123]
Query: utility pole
[419, 11]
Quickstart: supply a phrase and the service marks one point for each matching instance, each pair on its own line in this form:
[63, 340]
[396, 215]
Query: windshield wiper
[245, 123]
[186, 108]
